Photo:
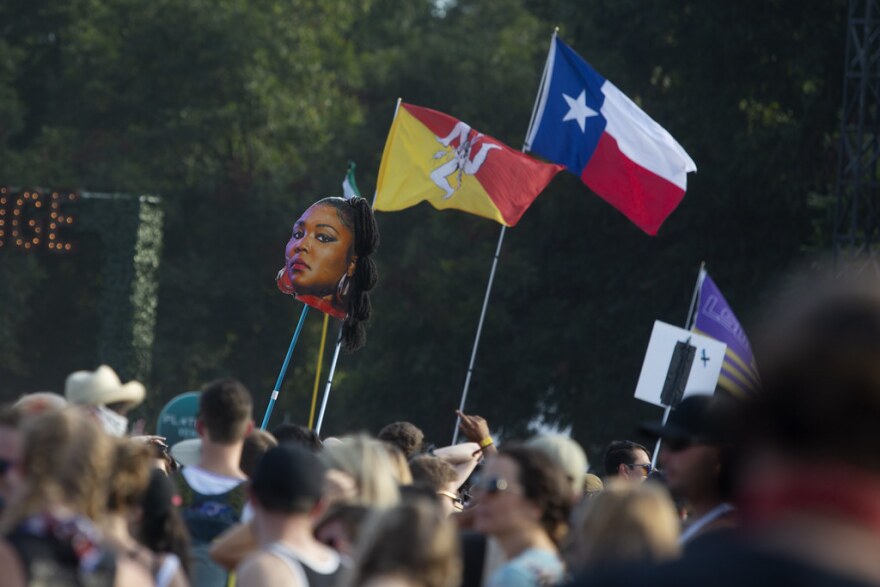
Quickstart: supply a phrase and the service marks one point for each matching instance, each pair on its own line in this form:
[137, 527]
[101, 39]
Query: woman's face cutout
[317, 254]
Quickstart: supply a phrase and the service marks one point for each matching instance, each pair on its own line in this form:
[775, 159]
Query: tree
[240, 114]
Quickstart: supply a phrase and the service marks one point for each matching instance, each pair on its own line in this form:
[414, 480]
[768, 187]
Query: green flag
[349, 187]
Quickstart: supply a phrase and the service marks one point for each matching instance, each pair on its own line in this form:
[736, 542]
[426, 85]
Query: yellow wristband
[486, 442]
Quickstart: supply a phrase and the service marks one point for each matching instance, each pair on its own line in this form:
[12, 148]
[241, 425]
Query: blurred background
[216, 123]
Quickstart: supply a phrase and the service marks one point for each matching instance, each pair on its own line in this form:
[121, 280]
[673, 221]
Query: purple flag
[739, 374]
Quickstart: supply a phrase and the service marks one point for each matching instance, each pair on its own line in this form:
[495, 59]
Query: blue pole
[299, 326]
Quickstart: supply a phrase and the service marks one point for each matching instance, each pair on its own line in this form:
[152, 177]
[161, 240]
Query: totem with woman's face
[319, 261]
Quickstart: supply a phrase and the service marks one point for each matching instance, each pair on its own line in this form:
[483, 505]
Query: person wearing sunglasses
[808, 470]
[695, 462]
[627, 460]
[523, 499]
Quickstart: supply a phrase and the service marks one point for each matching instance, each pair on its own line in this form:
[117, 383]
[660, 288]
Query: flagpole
[537, 109]
[376, 192]
[349, 189]
[687, 326]
[467, 380]
[470, 371]
[277, 389]
[317, 427]
[329, 384]
[701, 274]
[318, 369]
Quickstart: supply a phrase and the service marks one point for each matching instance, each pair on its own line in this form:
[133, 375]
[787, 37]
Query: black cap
[691, 420]
[289, 479]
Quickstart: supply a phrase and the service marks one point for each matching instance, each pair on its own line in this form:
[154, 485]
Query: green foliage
[239, 114]
[145, 286]
[115, 220]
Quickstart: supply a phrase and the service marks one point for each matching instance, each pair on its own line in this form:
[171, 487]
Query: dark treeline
[241, 113]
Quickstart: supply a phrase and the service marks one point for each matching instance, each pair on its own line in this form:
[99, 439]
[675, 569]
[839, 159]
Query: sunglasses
[491, 486]
[645, 467]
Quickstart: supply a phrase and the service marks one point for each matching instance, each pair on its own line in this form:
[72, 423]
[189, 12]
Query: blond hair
[366, 460]
[66, 461]
[413, 542]
[401, 469]
[625, 523]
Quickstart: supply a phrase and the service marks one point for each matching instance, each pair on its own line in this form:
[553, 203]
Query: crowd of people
[779, 489]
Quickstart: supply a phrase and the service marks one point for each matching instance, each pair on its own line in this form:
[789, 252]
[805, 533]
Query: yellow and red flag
[431, 156]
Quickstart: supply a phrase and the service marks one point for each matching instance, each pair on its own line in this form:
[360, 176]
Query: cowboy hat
[692, 419]
[102, 387]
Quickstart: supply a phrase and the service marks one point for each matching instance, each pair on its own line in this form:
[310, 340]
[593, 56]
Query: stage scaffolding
[857, 210]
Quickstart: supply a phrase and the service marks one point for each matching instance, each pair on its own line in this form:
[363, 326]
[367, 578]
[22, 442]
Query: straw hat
[102, 387]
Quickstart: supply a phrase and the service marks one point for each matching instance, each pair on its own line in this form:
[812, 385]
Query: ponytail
[366, 239]
[357, 215]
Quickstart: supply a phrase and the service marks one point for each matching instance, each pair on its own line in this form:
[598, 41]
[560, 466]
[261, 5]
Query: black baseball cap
[692, 420]
[289, 479]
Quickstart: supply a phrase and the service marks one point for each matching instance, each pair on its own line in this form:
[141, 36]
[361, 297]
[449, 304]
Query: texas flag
[582, 121]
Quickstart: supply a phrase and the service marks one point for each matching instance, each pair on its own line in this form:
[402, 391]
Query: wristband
[486, 442]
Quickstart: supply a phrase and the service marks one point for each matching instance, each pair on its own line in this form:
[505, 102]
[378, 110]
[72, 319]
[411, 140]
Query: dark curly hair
[544, 484]
[404, 435]
[356, 215]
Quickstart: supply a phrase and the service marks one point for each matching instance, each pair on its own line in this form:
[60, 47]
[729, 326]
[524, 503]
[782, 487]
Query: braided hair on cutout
[357, 216]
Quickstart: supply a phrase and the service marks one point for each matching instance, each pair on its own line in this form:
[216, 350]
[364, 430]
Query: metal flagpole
[350, 190]
[329, 384]
[318, 369]
[396, 108]
[687, 326]
[276, 391]
[355, 192]
[470, 371]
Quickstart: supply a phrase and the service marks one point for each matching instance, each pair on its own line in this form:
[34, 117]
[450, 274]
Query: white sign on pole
[704, 371]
